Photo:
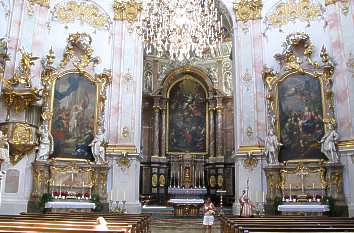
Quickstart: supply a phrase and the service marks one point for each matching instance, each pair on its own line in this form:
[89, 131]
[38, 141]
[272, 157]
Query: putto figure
[97, 146]
[328, 144]
[46, 145]
[271, 148]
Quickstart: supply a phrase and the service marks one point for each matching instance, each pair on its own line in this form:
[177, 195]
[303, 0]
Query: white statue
[328, 144]
[4, 148]
[271, 147]
[97, 146]
[46, 145]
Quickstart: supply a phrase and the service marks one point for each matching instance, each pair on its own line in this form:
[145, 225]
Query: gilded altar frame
[296, 59]
[179, 75]
[77, 59]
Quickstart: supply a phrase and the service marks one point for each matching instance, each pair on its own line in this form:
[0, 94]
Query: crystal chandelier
[180, 29]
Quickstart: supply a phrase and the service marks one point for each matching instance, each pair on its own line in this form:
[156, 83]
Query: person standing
[246, 205]
[209, 211]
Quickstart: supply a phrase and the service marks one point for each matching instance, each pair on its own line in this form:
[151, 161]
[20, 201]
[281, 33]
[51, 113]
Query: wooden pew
[235, 224]
[73, 223]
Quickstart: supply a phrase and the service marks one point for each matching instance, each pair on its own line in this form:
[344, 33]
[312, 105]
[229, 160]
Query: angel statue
[97, 146]
[271, 147]
[4, 148]
[328, 144]
[46, 145]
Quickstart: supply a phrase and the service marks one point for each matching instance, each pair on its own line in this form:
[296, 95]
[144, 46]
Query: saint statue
[246, 205]
[328, 144]
[4, 148]
[271, 147]
[46, 145]
[97, 146]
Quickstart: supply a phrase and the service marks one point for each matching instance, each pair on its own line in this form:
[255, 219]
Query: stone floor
[180, 226]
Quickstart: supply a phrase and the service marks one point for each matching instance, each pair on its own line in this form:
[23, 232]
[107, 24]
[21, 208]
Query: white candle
[124, 196]
[263, 197]
[313, 186]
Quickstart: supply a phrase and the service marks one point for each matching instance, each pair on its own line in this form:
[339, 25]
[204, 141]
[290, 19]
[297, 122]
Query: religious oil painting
[187, 117]
[74, 110]
[300, 118]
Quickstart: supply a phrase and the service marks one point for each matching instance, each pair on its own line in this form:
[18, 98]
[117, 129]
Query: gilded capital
[127, 10]
[247, 10]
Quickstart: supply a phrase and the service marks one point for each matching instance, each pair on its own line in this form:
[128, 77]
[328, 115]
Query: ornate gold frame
[297, 59]
[77, 59]
[188, 76]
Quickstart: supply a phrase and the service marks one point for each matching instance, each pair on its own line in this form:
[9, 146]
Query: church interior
[176, 116]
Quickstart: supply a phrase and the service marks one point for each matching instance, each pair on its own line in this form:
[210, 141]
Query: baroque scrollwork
[79, 51]
[85, 11]
[247, 10]
[291, 10]
[32, 3]
[127, 10]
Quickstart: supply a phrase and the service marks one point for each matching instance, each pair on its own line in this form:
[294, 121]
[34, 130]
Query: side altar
[304, 172]
[70, 186]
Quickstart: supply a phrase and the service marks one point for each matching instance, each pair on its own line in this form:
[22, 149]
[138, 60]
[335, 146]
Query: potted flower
[79, 195]
[286, 197]
[56, 194]
[318, 198]
[294, 197]
[87, 195]
[309, 197]
[64, 194]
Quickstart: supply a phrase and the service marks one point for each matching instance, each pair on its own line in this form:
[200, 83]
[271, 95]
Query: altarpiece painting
[300, 117]
[187, 117]
[74, 108]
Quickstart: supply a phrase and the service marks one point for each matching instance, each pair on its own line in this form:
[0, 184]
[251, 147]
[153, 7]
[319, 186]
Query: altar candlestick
[203, 178]
[60, 189]
[313, 186]
[290, 191]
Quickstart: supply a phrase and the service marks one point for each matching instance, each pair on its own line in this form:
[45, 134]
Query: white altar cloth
[186, 201]
[303, 208]
[69, 205]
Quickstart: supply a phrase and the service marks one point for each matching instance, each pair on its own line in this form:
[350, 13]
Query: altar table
[69, 206]
[186, 207]
[303, 209]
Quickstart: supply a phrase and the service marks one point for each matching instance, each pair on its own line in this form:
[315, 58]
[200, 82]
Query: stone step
[180, 226]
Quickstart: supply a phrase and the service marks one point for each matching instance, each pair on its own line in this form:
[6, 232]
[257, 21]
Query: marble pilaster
[163, 130]
[156, 117]
[211, 128]
[219, 121]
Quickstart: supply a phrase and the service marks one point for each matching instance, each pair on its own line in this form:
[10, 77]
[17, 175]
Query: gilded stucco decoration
[250, 162]
[127, 10]
[18, 91]
[297, 59]
[83, 11]
[41, 3]
[79, 51]
[247, 10]
[285, 12]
